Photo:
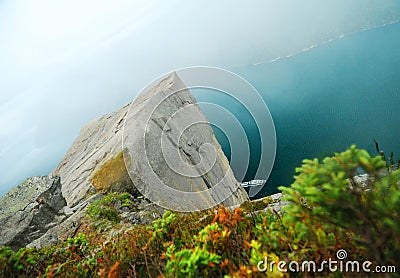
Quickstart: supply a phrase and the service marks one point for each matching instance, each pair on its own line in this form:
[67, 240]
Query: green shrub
[103, 212]
[17, 264]
[191, 263]
[163, 227]
[326, 195]
[329, 209]
[78, 242]
[98, 211]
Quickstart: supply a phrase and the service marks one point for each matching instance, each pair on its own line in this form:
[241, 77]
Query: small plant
[98, 211]
[104, 212]
[125, 199]
[78, 242]
[163, 227]
[390, 162]
[17, 264]
[256, 205]
[191, 263]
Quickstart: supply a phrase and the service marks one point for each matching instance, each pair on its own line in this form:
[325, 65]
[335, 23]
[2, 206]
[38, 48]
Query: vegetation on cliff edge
[329, 211]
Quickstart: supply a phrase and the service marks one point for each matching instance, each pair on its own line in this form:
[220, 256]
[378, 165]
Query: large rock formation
[173, 156]
[29, 210]
[98, 141]
[43, 210]
[101, 139]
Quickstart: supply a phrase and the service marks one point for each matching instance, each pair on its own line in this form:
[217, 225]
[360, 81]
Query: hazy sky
[63, 63]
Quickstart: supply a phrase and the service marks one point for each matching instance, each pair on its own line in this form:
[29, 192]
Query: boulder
[28, 210]
[166, 124]
[172, 154]
[67, 227]
[100, 141]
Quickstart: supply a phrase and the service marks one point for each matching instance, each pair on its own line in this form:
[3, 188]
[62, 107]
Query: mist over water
[322, 101]
[66, 62]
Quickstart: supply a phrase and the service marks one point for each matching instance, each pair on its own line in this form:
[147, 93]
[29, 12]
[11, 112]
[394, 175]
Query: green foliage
[256, 205]
[163, 227]
[77, 242]
[191, 263]
[329, 209]
[17, 264]
[103, 212]
[125, 199]
[326, 195]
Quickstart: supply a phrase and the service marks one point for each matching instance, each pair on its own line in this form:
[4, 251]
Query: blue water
[323, 100]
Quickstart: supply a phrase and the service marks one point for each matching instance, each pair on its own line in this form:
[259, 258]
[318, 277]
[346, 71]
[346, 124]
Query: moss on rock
[113, 177]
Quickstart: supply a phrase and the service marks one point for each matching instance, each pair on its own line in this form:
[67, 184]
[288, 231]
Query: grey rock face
[97, 142]
[173, 156]
[43, 210]
[29, 210]
[68, 211]
[101, 139]
[66, 227]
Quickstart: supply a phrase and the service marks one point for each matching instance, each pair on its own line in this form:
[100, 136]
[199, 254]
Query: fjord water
[325, 99]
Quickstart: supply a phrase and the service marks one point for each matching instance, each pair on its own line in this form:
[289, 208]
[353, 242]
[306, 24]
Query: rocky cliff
[173, 156]
[101, 139]
[30, 209]
[43, 209]
[98, 141]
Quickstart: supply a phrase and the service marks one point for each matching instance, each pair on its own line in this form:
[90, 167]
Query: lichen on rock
[113, 177]
[29, 210]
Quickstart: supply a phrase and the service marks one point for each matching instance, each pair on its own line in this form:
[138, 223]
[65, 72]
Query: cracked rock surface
[174, 156]
[101, 139]
[42, 210]
[29, 210]
[97, 142]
